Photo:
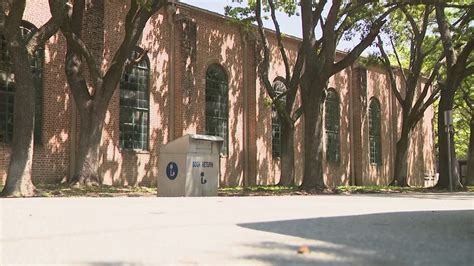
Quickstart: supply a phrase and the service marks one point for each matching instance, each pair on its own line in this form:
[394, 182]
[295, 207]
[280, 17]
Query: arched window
[135, 104]
[279, 88]
[332, 125]
[7, 86]
[217, 110]
[374, 133]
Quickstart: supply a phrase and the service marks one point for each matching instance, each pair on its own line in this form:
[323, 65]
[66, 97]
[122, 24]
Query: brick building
[200, 76]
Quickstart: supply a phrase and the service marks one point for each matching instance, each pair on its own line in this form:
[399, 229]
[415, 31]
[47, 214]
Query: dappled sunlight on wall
[378, 87]
[156, 40]
[180, 48]
[428, 145]
[51, 152]
[51, 157]
[138, 167]
[337, 173]
[268, 168]
[421, 156]
[264, 137]
[219, 43]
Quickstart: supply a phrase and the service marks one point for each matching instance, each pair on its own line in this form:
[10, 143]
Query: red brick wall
[136, 167]
[218, 42]
[377, 87]
[338, 173]
[51, 153]
[268, 168]
[200, 39]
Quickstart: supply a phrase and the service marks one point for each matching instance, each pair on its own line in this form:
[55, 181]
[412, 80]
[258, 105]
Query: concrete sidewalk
[397, 229]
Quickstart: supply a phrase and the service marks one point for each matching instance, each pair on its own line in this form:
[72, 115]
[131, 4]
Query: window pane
[375, 141]
[332, 125]
[7, 88]
[134, 106]
[279, 88]
[217, 104]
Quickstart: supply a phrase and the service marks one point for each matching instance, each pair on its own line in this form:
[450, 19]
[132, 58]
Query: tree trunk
[287, 175]
[400, 177]
[19, 182]
[470, 155]
[92, 123]
[313, 149]
[446, 104]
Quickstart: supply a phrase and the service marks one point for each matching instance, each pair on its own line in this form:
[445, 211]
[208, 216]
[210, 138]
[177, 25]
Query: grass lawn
[64, 190]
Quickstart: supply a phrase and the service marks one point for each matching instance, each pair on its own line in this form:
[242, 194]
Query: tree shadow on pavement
[403, 238]
[431, 196]
[114, 263]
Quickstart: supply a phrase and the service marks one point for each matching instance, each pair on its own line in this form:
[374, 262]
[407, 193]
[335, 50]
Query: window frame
[214, 88]
[138, 143]
[332, 126]
[275, 122]
[375, 132]
[37, 66]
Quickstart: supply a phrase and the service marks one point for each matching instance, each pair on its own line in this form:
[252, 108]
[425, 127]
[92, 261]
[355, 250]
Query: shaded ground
[403, 238]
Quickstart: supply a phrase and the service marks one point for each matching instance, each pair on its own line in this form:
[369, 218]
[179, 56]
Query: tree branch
[80, 48]
[356, 51]
[469, 101]
[428, 84]
[388, 67]
[412, 22]
[445, 34]
[72, 25]
[298, 113]
[280, 42]
[265, 64]
[135, 21]
[13, 19]
[465, 53]
[402, 70]
[295, 79]
[329, 39]
[433, 97]
[317, 13]
[58, 11]
[432, 49]
[309, 39]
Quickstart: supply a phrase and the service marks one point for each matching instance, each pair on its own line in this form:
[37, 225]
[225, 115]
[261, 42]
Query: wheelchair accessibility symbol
[172, 170]
[203, 180]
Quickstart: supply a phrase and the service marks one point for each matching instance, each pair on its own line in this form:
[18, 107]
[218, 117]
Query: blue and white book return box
[189, 166]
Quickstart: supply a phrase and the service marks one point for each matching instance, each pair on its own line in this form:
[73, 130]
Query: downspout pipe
[171, 68]
[246, 176]
[351, 126]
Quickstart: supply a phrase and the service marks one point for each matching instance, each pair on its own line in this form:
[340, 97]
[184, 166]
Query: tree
[83, 71]
[469, 101]
[412, 105]
[320, 63]
[282, 102]
[21, 49]
[458, 44]
[462, 117]
[315, 65]
[464, 125]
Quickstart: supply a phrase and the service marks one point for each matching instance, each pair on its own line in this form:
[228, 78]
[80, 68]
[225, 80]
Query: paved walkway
[414, 229]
